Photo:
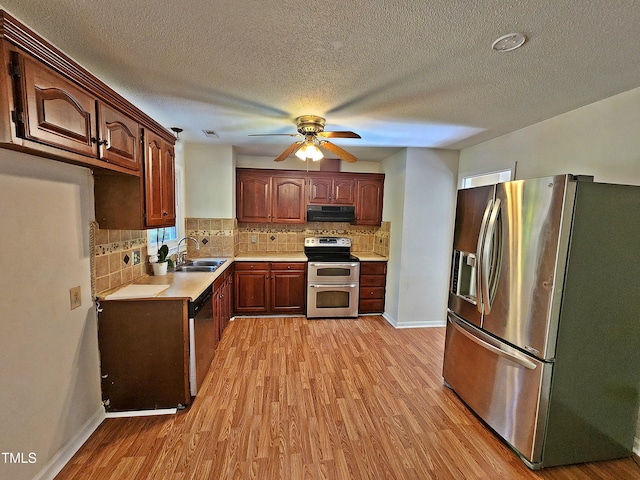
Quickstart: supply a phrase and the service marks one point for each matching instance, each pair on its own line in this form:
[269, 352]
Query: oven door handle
[334, 264]
[332, 285]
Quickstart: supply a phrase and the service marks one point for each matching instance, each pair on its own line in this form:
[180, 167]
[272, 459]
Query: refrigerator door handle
[520, 360]
[479, 249]
[485, 265]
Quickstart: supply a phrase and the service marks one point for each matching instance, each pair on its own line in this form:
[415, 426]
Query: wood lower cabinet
[269, 288]
[144, 354]
[251, 287]
[373, 280]
[288, 287]
[223, 299]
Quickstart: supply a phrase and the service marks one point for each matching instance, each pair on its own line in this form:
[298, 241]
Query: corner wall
[421, 209]
[50, 376]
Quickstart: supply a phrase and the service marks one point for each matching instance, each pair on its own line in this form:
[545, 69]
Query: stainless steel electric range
[333, 278]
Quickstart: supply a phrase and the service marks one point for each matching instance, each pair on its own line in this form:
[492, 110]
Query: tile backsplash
[217, 237]
[114, 251]
[113, 256]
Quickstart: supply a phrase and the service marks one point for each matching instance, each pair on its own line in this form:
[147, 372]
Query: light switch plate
[136, 257]
[75, 297]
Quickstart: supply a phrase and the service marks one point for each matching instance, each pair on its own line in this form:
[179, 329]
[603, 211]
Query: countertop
[189, 285]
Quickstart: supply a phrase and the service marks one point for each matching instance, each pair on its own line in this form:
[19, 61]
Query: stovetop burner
[329, 249]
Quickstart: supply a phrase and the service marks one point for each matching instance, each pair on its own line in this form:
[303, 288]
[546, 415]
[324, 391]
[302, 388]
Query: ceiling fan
[311, 128]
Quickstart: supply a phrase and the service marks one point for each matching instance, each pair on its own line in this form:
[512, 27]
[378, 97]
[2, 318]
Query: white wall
[294, 163]
[601, 139]
[210, 180]
[420, 204]
[50, 377]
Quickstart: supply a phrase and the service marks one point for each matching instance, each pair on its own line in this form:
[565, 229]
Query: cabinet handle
[289, 267]
[165, 213]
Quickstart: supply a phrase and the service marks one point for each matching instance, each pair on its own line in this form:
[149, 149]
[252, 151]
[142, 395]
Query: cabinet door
[119, 138]
[288, 200]
[253, 198]
[144, 354]
[344, 191]
[56, 111]
[288, 288]
[332, 190]
[320, 190]
[369, 201]
[159, 182]
[251, 288]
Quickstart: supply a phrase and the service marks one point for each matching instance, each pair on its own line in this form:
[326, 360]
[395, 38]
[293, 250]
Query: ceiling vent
[211, 133]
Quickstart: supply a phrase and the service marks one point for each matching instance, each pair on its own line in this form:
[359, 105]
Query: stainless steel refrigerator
[543, 327]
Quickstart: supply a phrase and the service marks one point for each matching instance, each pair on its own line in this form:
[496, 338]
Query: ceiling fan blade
[290, 149]
[338, 135]
[333, 148]
[275, 135]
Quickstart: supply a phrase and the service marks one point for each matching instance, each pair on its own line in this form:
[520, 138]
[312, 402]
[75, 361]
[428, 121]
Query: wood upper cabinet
[119, 137]
[253, 197]
[370, 189]
[288, 200]
[128, 202]
[281, 196]
[159, 181]
[339, 190]
[267, 198]
[52, 110]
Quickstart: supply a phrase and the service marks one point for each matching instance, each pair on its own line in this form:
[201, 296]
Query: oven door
[332, 300]
[333, 272]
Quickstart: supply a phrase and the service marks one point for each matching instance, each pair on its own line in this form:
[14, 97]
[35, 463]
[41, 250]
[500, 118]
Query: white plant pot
[160, 268]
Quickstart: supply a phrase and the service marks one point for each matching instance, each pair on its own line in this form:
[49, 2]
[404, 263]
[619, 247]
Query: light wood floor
[297, 399]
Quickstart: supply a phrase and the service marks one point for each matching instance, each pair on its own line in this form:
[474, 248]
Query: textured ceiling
[400, 73]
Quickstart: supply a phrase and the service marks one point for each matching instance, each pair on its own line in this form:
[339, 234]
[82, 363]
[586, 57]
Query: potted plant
[160, 267]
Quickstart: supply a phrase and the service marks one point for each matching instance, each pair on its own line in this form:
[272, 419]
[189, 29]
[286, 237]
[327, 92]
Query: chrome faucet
[181, 258]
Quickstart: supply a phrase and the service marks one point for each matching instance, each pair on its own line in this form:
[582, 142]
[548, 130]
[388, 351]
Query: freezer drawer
[506, 388]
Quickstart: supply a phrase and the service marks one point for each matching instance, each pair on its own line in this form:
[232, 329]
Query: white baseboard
[397, 324]
[636, 446]
[62, 456]
[142, 413]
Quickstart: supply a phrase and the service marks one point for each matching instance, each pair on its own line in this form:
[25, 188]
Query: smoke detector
[508, 42]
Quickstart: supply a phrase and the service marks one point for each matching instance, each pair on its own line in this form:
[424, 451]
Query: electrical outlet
[75, 296]
[254, 239]
[136, 257]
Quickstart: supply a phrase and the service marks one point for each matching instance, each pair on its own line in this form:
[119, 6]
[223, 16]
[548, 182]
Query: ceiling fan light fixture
[309, 151]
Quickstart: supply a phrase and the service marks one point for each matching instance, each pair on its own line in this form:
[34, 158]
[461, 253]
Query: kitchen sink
[207, 262]
[197, 268]
[200, 265]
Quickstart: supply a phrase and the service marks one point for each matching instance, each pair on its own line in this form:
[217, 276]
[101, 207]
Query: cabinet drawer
[371, 292]
[373, 268]
[371, 306]
[299, 266]
[252, 266]
[373, 280]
